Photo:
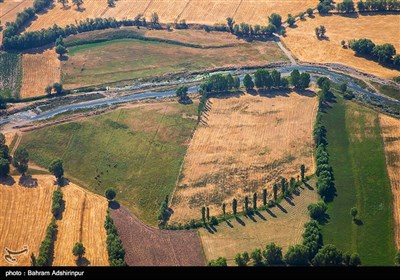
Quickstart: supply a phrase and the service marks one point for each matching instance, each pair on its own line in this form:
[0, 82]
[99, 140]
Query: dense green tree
[276, 78]
[324, 83]
[273, 254]
[384, 53]
[61, 50]
[310, 12]
[276, 20]
[297, 255]
[155, 21]
[78, 3]
[264, 197]
[328, 255]
[56, 168]
[231, 81]
[312, 238]
[290, 20]
[256, 255]
[275, 189]
[4, 167]
[302, 171]
[234, 206]
[317, 210]
[236, 83]
[246, 257]
[295, 78]
[214, 221]
[63, 2]
[284, 82]
[346, 258]
[239, 260]
[396, 60]
[58, 88]
[182, 92]
[246, 204]
[203, 214]
[230, 22]
[347, 6]
[110, 193]
[355, 260]
[20, 160]
[362, 46]
[248, 82]
[255, 201]
[218, 262]
[304, 81]
[78, 250]
[283, 186]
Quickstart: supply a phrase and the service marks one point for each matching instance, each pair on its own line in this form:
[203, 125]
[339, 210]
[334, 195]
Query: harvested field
[147, 246]
[193, 11]
[305, 45]
[39, 70]
[9, 10]
[130, 59]
[243, 145]
[82, 221]
[390, 129]
[24, 215]
[283, 225]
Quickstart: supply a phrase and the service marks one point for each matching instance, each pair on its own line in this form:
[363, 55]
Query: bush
[110, 193]
[214, 221]
[218, 262]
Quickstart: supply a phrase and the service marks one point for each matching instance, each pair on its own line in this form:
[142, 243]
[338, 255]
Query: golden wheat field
[39, 69]
[283, 224]
[82, 221]
[25, 213]
[379, 28]
[243, 144]
[193, 11]
[390, 128]
[9, 10]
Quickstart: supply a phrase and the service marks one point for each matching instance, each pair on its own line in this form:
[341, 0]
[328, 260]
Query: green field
[138, 151]
[132, 59]
[10, 75]
[357, 157]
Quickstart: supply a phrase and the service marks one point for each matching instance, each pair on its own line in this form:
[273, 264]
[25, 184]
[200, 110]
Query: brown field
[246, 144]
[9, 10]
[39, 70]
[147, 246]
[304, 44]
[283, 225]
[193, 11]
[391, 136]
[25, 213]
[82, 221]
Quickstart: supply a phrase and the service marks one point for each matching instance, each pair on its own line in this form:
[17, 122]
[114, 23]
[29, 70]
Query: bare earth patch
[379, 28]
[39, 70]
[283, 225]
[391, 136]
[243, 145]
[148, 246]
[82, 221]
[25, 213]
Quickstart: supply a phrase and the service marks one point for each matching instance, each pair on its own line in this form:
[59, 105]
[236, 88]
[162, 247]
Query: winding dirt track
[147, 246]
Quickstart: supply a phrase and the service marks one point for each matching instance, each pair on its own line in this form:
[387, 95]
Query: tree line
[116, 252]
[46, 249]
[385, 53]
[20, 159]
[324, 172]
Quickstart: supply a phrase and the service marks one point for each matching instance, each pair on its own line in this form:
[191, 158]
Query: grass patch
[132, 59]
[358, 160]
[388, 90]
[10, 75]
[138, 151]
